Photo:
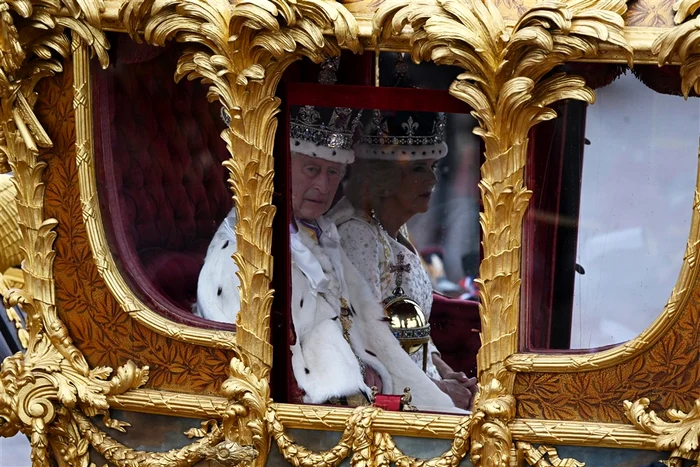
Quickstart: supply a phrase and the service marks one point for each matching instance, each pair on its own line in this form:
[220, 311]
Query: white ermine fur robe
[217, 287]
[323, 363]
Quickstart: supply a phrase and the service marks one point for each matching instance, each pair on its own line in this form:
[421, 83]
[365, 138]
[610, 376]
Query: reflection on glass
[448, 234]
[354, 267]
[609, 219]
[161, 183]
[637, 189]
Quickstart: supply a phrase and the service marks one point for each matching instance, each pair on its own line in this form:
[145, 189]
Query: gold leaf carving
[251, 419]
[36, 390]
[211, 446]
[545, 456]
[368, 447]
[10, 250]
[682, 41]
[681, 435]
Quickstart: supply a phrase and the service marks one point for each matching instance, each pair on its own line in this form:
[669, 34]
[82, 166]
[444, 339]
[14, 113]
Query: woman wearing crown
[391, 182]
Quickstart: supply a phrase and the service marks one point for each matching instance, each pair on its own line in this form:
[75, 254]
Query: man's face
[314, 183]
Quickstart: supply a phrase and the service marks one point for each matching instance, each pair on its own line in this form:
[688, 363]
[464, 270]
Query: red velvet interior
[161, 183]
[455, 326]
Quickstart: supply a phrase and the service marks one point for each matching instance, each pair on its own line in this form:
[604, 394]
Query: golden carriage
[106, 332]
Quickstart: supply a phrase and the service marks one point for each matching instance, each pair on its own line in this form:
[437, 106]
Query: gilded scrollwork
[544, 456]
[35, 387]
[33, 34]
[211, 446]
[682, 41]
[369, 447]
[680, 435]
[53, 377]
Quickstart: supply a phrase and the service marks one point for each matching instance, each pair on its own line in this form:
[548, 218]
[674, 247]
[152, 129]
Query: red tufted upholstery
[162, 186]
[452, 322]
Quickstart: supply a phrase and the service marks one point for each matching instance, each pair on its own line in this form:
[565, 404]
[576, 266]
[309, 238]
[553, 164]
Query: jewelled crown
[328, 138]
[404, 136]
[323, 132]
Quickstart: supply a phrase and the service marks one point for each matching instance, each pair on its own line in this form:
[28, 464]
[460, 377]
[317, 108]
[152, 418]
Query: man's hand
[462, 378]
[460, 392]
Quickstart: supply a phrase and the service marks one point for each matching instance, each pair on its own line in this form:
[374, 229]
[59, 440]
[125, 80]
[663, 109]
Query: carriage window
[608, 223]
[162, 186]
[384, 213]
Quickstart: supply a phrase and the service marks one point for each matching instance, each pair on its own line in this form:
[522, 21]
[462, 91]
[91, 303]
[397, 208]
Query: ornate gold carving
[10, 252]
[682, 40]
[544, 456]
[239, 438]
[34, 387]
[369, 447]
[681, 435]
[27, 57]
[244, 419]
[395, 423]
[211, 446]
[37, 389]
[580, 434]
[26, 53]
[252, 419]
[492, 439]
[106, 266]
[505, 83]
[170, 403]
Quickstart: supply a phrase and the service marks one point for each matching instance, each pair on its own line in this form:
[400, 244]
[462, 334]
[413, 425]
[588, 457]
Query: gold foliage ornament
[211, 446]
[544, 456]
[36, 387]
[369, 448]
[680, 435]
[683, 40]
[31, 34]
[507, 81]
[249, 397]
[241, 50]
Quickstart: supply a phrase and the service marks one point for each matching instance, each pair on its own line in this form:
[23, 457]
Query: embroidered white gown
[360, 238]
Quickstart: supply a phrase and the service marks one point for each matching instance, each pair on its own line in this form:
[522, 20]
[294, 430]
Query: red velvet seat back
[162, 185]
[454, 329]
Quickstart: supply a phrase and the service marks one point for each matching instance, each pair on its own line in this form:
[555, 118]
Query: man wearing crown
[344, 345]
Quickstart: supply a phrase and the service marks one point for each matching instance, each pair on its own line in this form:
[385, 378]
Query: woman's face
[418, 180]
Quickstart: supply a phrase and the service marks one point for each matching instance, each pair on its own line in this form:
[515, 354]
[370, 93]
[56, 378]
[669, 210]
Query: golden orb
[407, 322]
